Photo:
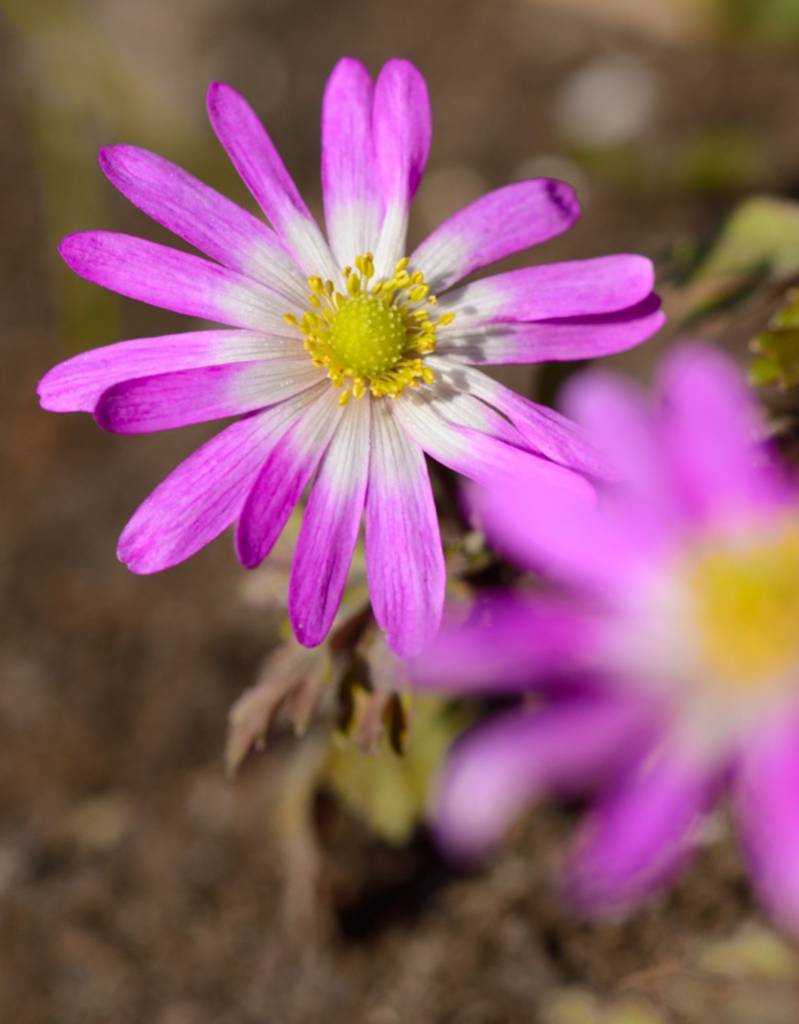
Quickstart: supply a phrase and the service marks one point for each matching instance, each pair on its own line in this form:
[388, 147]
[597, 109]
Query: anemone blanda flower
[675, 645]
[340, 361]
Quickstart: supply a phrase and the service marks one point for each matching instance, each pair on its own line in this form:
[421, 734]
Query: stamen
[374, 336]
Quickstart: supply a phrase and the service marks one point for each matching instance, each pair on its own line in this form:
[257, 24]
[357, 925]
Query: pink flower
[339, 362]
[667, 669]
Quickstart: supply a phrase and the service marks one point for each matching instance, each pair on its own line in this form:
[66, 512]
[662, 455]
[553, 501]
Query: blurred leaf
[778, 361]
[778, 348]
[763, 232]
[388, 789]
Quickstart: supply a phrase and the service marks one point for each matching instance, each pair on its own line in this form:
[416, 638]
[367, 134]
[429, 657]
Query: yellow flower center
[375, 337]
[368, 335]
[746, 603]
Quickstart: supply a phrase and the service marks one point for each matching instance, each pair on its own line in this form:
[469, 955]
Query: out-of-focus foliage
[761, 234]
[777, 348]
[388, 788]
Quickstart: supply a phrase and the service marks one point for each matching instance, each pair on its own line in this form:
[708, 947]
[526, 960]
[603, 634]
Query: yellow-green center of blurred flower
[373, 337]
[746, 603]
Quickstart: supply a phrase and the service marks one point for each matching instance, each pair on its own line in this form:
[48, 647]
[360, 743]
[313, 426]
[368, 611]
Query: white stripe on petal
[404, 559]
[205, 494]
[330, 528]
[542, 428]
[286, 473]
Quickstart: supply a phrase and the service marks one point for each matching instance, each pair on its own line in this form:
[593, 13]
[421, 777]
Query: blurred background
[137, 883]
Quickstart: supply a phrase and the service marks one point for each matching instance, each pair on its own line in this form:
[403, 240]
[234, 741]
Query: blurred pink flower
[315, 321]
[667, 670]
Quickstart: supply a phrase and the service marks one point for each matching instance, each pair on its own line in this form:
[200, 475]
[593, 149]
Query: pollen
[746, 606]
[368, 335]
[372, 337]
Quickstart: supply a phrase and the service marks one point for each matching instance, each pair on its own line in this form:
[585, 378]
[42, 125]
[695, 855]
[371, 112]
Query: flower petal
[404, 559]
[168, 400]
[710, 427]
[76, 384]
[402, 125]
[540, 341]
[495, 226]
[543, 429]
[506, 644]
[330, 528]
[352, 203]
[767, 809]
[605, 546]
[602, 285]
[621, 419]
[284, 476]
[480, 457]
[204, 495]
[255, 158]
[642, 832]
[204, 218]
[501, 767]
[173, 280]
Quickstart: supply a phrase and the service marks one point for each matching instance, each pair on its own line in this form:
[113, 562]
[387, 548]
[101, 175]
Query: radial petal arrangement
[346, 357]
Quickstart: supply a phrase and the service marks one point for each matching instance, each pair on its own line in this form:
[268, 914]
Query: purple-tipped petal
[540, 341]
[173, 280]
[499, 768]
[76, 384]
[642, 832]
[169, 400]
[507, 643]
[494, 226]
[204, 218]
[349, 185]
[284, 476]
[767, 809]
[255, 158]
[203, 496]
[404, 559]
[330, 528]
[402, 126]
[602, 285]
[710, 429]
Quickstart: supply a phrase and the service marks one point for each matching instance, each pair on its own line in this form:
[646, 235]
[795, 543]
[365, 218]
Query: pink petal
[284, 476]
[255, 158]
[767, 809]
[483, 458]
[540, 341]
[204, 218]
[168, 400]
[602, 285]
[618, 415]
[203, 496]
[76, 384]
[606, 547]
[501, 767]
[173, 280]
[330, 528]
[402, 126]
[404, 560]
[506, 644]
[711, 427]
[495, 226]
[642, 833]
[541, 428]
[352, 203]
